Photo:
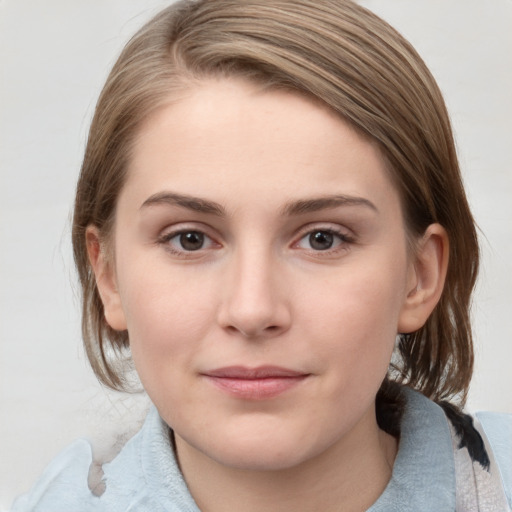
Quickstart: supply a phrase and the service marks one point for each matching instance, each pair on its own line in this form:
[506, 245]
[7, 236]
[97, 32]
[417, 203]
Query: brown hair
[340, 54]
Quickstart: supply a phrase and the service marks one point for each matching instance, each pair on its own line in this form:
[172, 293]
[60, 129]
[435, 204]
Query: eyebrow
[195, 204]
[299, 207]
[325, 203]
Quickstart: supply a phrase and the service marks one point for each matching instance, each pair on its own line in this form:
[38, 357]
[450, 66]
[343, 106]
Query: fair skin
[262, 271]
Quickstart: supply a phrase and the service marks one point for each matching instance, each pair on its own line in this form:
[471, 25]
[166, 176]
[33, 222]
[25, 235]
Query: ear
[104, 273]
[426, 279]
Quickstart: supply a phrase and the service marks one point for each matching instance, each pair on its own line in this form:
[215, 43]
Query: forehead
[228, 135]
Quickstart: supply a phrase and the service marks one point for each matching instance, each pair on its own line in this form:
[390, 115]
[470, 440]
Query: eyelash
[343, 241]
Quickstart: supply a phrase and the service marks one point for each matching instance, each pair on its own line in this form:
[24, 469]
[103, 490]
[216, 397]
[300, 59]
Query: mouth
[260, 383]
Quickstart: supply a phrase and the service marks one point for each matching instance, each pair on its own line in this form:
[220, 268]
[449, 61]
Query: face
[261, 271]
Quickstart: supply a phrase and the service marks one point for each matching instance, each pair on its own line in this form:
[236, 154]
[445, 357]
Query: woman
[269, 202]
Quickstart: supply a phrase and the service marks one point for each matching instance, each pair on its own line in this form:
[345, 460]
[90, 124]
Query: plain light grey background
[54, 57]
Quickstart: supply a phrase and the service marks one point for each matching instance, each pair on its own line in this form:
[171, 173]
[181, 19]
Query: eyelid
[331, 227]
[185, 226]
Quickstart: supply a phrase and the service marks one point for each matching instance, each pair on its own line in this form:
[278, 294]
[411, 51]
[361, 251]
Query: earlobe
[104, 274]
[426, 279]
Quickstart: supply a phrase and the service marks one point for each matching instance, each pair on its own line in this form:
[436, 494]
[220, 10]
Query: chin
[260, 451]
[259, 459]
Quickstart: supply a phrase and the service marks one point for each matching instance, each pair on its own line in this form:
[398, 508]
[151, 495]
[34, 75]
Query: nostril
[254, 333]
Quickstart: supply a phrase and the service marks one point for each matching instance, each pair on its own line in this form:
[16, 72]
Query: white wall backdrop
[54, 57]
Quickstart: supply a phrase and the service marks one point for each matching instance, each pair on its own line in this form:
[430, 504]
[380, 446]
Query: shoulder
[497, 429]
[144, 476]
[75, 481]
[443, 448]
[63, 483]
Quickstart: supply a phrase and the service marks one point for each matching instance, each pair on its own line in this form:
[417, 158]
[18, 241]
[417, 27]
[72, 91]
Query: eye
[187, 241]
[191, 241]
[322, 240]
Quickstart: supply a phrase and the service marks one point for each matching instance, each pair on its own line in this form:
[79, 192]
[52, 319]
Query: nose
[255, 303]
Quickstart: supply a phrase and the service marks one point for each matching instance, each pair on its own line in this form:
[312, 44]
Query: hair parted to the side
[337, 53]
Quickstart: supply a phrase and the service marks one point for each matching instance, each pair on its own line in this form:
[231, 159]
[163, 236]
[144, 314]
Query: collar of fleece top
[145, 477]
[423, 476]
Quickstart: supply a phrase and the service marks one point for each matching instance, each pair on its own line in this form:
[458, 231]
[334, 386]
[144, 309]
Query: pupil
[192, 241]
[321, 240]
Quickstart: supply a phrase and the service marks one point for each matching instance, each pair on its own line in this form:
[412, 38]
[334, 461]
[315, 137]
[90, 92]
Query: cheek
[167, 314]
[355, 319]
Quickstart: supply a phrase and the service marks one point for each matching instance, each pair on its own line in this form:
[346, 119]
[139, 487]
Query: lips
[260, 383]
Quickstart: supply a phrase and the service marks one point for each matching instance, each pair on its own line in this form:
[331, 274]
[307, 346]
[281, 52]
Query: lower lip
[256, 389]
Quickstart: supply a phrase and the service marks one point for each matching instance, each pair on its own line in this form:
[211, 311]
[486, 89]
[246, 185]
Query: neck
[354, 473]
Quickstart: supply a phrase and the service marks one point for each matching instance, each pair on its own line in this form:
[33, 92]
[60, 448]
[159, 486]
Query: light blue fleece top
[145, 477]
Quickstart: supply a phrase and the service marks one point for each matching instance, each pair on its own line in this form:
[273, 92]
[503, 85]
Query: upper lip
[261, 372]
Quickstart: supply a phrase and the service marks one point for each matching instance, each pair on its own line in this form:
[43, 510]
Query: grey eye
[191, 240]
[321, 240]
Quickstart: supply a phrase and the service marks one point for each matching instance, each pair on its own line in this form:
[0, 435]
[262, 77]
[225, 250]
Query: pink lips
[260, 383]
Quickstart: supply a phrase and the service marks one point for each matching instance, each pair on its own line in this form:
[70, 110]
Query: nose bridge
[254, 303]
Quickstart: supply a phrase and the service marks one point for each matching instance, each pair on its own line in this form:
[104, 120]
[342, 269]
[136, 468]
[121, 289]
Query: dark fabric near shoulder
[467, 434]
